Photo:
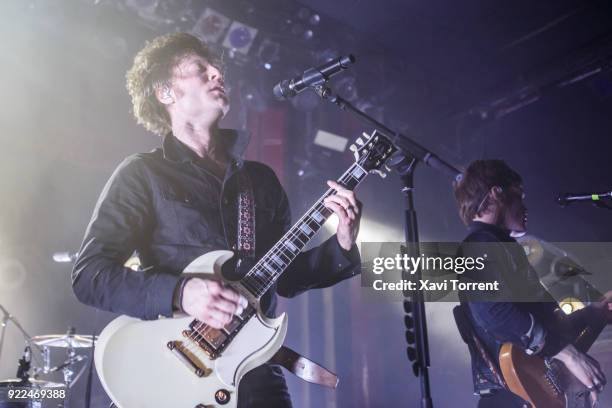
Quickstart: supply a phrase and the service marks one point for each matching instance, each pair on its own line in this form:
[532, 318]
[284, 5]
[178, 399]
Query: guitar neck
[269, 268]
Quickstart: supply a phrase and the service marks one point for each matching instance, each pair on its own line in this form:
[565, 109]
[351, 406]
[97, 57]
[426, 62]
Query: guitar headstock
[372, 151]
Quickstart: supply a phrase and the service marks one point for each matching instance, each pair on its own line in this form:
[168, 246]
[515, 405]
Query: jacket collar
[502, 234]
[236, 142]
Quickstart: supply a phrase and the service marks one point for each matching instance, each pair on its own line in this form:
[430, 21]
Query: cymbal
[63, 340]
[16, 382]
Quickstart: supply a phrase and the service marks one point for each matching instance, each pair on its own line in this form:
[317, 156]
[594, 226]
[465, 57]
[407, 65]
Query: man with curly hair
[179, 201]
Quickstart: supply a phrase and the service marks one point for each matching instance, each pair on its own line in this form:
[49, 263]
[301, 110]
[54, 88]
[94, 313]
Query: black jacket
[170, 208]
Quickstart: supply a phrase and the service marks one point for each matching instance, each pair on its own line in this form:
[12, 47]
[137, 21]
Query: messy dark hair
[152, 69]
[479, 177]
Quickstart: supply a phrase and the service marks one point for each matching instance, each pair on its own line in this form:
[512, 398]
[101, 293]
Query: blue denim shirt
[527, 325]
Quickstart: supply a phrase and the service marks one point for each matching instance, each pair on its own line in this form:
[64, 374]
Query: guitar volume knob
[222, 396]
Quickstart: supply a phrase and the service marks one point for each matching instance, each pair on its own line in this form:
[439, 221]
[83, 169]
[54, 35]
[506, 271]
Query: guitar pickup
[233, 325]
[215, 337]
[191, 361]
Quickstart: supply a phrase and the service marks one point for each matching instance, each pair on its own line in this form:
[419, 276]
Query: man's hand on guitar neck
[585, 368]
[210, 302]
[348, 209]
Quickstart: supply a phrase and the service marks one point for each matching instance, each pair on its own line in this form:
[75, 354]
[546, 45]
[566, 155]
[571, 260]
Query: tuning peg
[381, 173]
[359, 141]
[353, 148]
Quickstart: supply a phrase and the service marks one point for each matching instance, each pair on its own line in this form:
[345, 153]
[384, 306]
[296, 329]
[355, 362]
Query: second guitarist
[490, 199]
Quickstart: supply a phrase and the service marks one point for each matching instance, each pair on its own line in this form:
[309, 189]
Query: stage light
[306, 14]
[12, 274]
[240, 37]
[308, 34]
[330, 141]
[314, 19]
[570, 305]
[370, 230]
[268, 53]
[210, 26]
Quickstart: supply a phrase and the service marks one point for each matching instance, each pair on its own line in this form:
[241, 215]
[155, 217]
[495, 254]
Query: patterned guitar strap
[245, 247]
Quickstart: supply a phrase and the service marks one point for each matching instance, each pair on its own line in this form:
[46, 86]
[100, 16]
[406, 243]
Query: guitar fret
[317, 216]
[277, 261]
[282, 253]
[268, 268]
[306, 229]
[290, 245]
[301, 237]
[357, 172]
[296, 237]
[263, 275]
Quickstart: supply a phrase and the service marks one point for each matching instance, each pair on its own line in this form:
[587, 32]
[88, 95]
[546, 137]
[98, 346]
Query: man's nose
[215, 75]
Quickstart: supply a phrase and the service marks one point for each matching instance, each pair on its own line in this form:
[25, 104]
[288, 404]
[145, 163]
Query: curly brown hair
[152, 69]
[479, 177]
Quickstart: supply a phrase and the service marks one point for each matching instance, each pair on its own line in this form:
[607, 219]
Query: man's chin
[518, 230]
[518, 234]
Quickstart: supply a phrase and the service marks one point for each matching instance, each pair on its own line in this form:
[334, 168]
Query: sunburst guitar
[547, 383]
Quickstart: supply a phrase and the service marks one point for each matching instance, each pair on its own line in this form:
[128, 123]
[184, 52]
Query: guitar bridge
[190, 360]
[214, 341]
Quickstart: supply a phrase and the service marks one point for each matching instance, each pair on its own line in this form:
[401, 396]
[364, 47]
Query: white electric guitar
[182, 362]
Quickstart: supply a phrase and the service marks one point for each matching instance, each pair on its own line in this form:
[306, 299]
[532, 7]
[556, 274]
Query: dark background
[528, 82]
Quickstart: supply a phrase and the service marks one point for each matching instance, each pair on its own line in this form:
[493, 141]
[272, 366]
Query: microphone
[288, 88]
[65, 257]
[568, 198]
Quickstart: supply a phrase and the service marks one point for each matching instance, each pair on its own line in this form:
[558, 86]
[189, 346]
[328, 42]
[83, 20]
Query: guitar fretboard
[265, 272]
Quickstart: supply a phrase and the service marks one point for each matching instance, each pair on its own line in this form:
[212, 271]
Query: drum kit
[30, 389]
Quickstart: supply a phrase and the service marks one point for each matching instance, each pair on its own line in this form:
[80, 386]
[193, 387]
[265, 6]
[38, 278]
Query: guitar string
[201, 329]
[294, 231]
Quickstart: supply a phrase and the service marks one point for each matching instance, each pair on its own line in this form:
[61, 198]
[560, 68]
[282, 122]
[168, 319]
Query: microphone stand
[9, 317]
[411, 153]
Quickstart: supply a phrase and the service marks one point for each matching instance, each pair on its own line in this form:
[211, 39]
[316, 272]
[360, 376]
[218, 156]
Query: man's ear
[164, 94]
[496, 192]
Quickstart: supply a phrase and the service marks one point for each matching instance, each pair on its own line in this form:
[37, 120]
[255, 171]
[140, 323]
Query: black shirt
[170, 208]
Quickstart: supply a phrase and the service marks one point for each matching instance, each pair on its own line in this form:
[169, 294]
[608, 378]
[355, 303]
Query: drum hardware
[10, 318]
[36, 361]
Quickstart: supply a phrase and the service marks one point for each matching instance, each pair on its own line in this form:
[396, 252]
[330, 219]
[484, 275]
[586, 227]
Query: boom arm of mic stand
[404, 143]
